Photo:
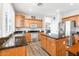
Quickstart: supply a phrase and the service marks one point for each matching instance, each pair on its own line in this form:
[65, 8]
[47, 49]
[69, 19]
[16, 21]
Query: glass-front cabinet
[7, 19]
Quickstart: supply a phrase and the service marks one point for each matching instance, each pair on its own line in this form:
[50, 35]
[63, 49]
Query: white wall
[75, 12]
[47, 22]
[1, 24]
[55, 23]
[7, 19]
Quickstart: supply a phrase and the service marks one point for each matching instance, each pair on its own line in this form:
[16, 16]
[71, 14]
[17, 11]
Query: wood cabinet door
[40, 38]
[28, 37]
[76, 38]
[19, 51]
[73, 18]
[44, 42]
[77, 20]
[19, 20]
[48, 45]
[26, 23]
[39, 24]
[60, 47]
[52, 47]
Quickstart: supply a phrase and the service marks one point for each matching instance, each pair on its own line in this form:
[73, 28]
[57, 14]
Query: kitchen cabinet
[17, 51]
[26, 23]
[38, 22]
[73, 18]
[28, 37]
[73, 50]
[44, 42]
[48, 45]
[29, 22]
[54, 46]
[7, 19]
[19, 21]
[76, 38]
[39, 35]
[76, 19]
[61, 47]
[57, 47]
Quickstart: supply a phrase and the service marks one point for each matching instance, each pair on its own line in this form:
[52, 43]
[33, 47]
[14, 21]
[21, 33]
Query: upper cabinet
[7, 19]
[73, 18]
[33, 22]
[19, 21]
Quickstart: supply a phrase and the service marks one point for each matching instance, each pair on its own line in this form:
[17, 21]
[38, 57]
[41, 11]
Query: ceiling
[46, 9]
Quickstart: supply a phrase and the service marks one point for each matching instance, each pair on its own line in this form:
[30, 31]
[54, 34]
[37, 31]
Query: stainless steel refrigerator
[69, 32]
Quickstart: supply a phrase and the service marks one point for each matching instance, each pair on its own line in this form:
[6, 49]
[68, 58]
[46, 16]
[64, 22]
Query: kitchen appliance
[69, 32]
[34, 36]
[33, 26]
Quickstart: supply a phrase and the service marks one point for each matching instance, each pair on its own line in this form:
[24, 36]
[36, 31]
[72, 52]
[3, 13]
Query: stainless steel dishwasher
[34, 36]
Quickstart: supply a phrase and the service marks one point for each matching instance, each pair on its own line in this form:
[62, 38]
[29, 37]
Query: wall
[55, 23]
[7, 19]
[0, 20]
[47, 22]
[67, 14]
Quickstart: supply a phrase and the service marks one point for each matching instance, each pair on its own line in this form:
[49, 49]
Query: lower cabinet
[52, 47]
[55, 47]
[28, 37]
[44, 42]
[48, 45]
[39, 36]
[17, 51]
[76, 38]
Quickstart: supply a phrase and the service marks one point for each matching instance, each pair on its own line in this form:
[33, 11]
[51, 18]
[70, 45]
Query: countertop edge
[53, 37]
[12, 47]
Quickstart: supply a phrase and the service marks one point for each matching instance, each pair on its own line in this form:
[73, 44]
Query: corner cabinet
[19, 21]
[7, 19]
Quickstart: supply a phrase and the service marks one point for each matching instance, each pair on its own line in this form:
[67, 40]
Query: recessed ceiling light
[38, 4]
[57, 10]
[71, 4]
[29, 10]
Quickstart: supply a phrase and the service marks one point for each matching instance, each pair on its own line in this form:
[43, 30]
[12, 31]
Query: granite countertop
[2, 48]
[53, 37]
[19, 43]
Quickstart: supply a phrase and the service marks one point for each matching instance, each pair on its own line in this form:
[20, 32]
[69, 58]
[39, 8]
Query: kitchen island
[53, 46]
